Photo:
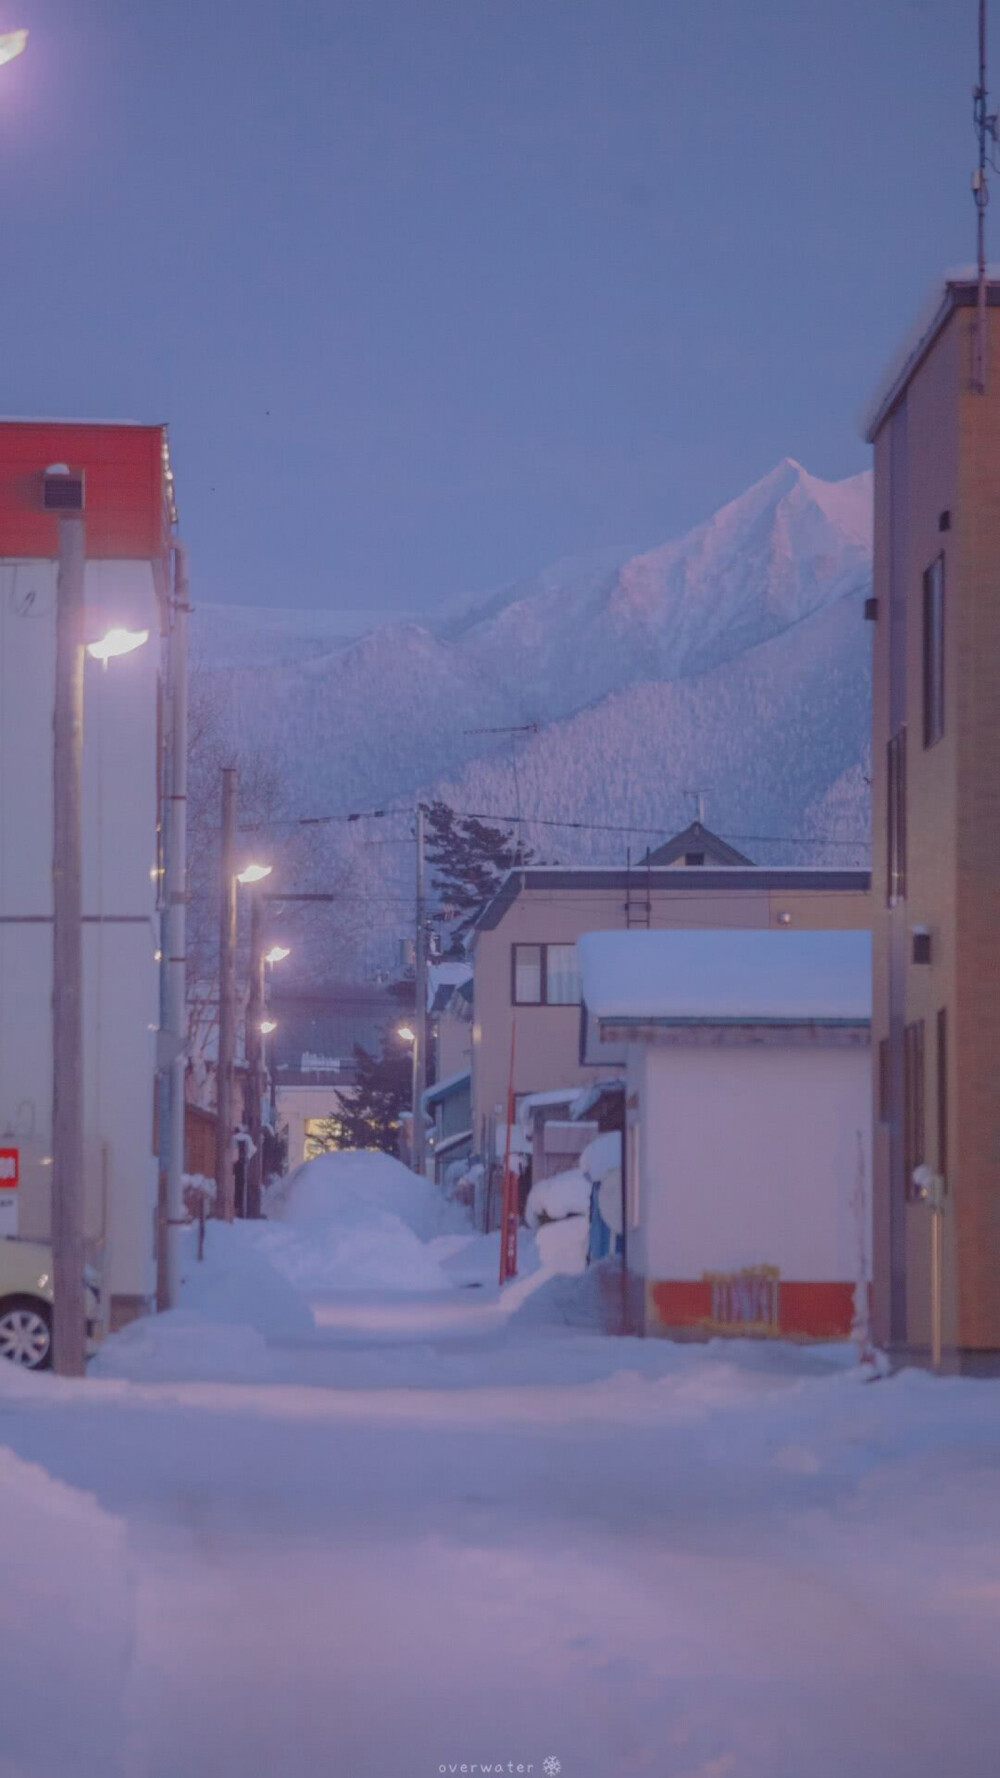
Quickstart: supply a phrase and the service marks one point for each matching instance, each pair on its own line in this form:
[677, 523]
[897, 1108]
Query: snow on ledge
[728, 974]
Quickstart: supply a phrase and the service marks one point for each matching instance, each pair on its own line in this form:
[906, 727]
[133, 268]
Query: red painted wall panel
[126, 493]
[806, 1309]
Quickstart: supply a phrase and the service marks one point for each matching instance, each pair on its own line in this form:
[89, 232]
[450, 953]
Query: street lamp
[12, 43]
[277, 954]
[267, 1026]
[407, 1033]
[254, 873]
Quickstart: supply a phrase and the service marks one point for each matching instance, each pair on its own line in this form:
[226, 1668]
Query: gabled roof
[696, 838]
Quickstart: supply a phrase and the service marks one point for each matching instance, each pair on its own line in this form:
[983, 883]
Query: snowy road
[433, 1540]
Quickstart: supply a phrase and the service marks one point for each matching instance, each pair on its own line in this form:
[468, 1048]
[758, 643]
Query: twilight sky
[433, 292]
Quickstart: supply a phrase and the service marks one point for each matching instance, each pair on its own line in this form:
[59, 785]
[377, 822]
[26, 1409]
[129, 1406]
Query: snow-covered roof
[533, 1102]
[937, 306]
[441, 1088]
[445, 979]
[727, 974]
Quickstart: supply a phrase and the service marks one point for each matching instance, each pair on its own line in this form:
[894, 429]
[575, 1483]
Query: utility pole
[225, 1189]
[255, 1056]
[418, 1145]
[69, 1307]
[175, 923]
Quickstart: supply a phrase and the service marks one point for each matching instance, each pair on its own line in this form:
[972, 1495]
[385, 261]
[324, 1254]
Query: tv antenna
[985, 122]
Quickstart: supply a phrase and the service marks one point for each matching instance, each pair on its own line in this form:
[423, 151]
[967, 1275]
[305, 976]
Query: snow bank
[181, 1346]
[65, 1626]
[232, 1303]
[237, 1283]
[358, 1220]
[562, 1245]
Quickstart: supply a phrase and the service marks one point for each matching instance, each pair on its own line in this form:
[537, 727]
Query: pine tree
[469, 860]
[372, 1108]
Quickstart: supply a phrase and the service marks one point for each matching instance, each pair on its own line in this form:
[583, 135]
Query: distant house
[449, 1011]
[449, 1104]
[748, 1104]
[526, 970]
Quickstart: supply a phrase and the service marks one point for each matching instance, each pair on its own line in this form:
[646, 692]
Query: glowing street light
[254, 873]
[267, 1026]
[12, 43]
[116, 642]
[277, 954]
[407, 1033]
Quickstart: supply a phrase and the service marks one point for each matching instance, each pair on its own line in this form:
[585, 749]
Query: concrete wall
[548, 1037]
[121, 935]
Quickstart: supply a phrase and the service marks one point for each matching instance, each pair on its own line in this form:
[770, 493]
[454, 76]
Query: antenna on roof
[986, 130]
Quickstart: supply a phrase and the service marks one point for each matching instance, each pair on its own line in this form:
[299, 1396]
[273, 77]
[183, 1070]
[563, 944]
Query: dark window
[545, 975]
[884, 1080]
[896, 818]
[913, 1102]
[934, 652]
[694, 858]
[942, 1093]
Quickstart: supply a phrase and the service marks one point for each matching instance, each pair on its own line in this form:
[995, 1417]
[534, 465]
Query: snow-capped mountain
[733, 659]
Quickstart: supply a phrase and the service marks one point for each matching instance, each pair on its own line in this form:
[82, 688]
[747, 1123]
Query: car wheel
[26, 1332]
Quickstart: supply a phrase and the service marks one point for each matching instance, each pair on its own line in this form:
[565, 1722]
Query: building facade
[936, 814]
[526, 971]
[127, 518]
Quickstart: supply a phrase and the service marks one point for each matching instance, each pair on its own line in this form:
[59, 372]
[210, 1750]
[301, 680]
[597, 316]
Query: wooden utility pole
[225, 1186]
[255, 1057]
[69, 1343]
[418, 1146]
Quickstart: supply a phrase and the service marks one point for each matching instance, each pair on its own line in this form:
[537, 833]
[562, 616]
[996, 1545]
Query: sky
[435, 292]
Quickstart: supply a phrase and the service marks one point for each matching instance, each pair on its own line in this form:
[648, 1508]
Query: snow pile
[181, 1346]
[232, 1303]
[377, 1180]
[562, 1245]
[357, 1220]
[66, 1610]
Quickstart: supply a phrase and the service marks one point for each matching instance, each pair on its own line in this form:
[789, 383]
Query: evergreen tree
[374, 1105]
[469, 859]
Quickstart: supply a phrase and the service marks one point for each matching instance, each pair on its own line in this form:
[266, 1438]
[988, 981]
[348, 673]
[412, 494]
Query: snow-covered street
[429, 1535]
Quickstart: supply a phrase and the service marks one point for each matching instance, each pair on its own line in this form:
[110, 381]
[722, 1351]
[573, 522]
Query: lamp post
[257, 1028]
[64, 496]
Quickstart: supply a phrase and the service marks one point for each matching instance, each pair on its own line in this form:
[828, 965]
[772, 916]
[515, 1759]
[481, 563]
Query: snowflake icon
[552, 1766]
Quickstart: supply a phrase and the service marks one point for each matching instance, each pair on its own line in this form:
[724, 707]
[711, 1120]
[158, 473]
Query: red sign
[10, 1169]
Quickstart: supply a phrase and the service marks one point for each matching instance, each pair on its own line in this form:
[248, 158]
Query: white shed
[748, 1100]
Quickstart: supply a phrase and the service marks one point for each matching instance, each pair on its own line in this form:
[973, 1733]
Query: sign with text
[10, 1180]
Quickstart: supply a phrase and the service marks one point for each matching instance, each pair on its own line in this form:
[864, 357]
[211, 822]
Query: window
[913, 1102]
[545, 975]
[694, 858]
[942, 1094]
[934, 652]
[896, 819]
[562, 976]
[528, 975]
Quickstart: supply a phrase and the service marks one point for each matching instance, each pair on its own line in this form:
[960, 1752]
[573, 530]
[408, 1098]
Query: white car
[26, 1303]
